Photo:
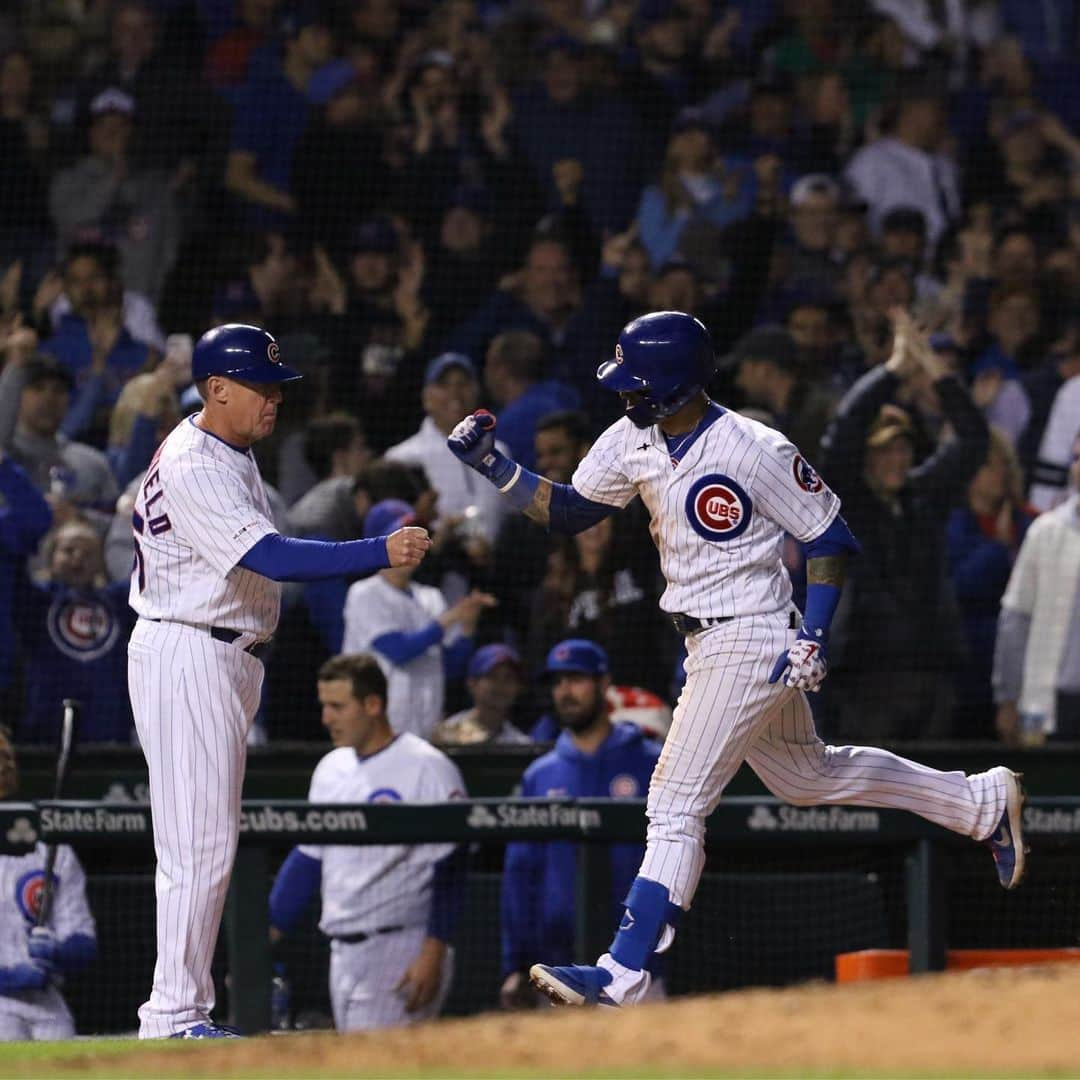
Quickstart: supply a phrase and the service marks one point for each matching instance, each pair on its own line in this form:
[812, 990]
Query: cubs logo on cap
[82, 628]
[273, 353]
[577, 655]
[805, 476]
[618, 354]
[28, 893]
[718, 508]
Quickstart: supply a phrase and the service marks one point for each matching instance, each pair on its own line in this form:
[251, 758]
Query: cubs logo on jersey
[805, 476]
[384, 795]
[82, 627]
[29, 890]
[623, 786]
[718, 509]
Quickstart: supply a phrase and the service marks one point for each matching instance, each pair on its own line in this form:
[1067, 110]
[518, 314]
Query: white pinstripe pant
[363, 976]
[194, 699]
[728, 713]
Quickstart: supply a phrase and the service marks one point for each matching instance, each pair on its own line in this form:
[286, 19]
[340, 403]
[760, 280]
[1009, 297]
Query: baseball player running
[721, 491]
[33, 958]
[388, 909]
[205, 585]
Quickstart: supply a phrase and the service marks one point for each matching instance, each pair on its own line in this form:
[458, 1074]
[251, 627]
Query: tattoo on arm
[539, 509]
[827, 570]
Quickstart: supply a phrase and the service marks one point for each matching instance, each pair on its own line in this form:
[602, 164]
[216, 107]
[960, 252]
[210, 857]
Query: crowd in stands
[436, 207]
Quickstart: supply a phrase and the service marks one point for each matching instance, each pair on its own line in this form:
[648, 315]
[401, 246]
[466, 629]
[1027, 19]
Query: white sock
[627, 986]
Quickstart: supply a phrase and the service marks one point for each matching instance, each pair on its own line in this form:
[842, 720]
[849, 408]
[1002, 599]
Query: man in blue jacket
[592, 758]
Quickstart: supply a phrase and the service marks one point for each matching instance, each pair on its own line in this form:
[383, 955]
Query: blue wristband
[821, 601]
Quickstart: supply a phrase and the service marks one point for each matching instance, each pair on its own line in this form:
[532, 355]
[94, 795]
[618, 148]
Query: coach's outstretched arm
[284, 558]
[558, 507]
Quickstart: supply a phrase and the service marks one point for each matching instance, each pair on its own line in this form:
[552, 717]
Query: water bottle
[280, 1000]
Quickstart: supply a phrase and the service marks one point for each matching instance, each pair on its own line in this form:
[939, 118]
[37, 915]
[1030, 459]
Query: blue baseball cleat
[1007, 842]
[208, 1031]
[572, 985]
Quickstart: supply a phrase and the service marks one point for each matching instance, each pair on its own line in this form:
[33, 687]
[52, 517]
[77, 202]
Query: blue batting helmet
[240, 352]
[663, 359]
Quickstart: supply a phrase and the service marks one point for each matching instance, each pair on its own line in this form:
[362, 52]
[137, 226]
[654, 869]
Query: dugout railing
[743, 831]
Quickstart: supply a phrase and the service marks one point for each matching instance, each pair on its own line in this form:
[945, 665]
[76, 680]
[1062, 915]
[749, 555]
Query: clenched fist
[407, 546]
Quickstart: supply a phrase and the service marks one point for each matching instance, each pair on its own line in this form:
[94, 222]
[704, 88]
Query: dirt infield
[1019, 1022]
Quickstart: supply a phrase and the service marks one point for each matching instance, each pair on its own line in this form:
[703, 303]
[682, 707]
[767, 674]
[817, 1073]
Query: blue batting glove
[44, 949]
[805, 663]
[473, 441]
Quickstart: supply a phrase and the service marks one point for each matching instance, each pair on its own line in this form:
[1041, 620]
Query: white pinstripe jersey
[200, 508]
[414, 690]
[719, 508]
[374, 886]
[22, 881]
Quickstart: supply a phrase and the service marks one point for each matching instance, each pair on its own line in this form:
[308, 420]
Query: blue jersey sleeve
[447, 895]
[25, 516]
[294, 888]
[284, 558]
[401, 646]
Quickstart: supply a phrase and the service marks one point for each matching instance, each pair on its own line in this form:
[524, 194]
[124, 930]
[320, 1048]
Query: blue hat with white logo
[388, 516]
[488, 657]
[577, 655]
[445, 362]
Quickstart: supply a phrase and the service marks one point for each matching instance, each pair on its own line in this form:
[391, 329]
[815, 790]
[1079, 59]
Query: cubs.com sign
[717, 508]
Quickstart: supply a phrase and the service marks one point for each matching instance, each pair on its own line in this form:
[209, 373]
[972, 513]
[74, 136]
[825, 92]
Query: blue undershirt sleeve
[20, 977]
[447, 895]
[456, 656]
[401, 646]
[835, 540]
[25, 516]
[92, 395]
[821, 597]
[285, 558]
[294, 888]
[572, 512]
[76, 952]
[130, 460]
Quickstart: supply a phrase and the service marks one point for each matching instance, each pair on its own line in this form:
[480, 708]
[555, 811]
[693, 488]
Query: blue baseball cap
[577, 654]
[651, 12]
[487, 658]
[471, 197]
[388, 516]
[444, 362]
[330, 80]
[374, 235]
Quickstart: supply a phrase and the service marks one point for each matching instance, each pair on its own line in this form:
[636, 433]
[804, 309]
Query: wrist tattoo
[539, 509]
[827, 570]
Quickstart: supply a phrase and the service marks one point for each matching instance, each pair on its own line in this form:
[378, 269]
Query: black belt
[691, 624]
[258, 649]
[355, 939]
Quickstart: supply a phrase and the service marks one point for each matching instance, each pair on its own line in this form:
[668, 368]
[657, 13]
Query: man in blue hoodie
[592, 758]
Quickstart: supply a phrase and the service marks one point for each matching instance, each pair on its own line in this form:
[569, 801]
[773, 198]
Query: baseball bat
[67, 739]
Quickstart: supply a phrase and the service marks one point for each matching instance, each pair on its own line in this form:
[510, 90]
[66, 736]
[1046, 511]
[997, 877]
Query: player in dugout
[388, 909]
[34, 959]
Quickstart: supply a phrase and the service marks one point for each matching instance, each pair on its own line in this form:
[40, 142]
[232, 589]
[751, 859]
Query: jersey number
[156, 525]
